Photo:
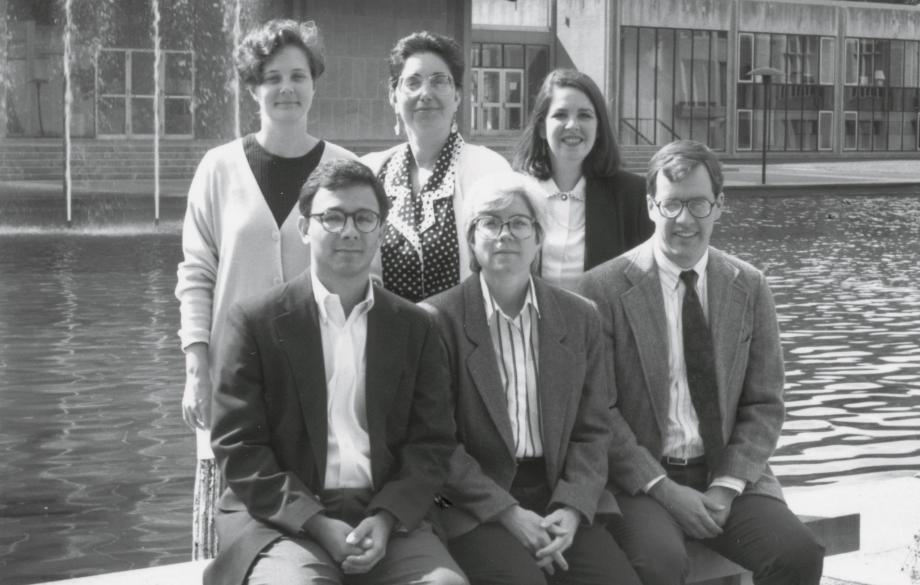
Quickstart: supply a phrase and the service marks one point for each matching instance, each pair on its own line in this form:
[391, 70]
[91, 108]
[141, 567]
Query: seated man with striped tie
[698, 375]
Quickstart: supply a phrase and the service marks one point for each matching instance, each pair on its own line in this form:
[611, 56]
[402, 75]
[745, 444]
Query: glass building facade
[881, 104]
[505, 79]
[801, 101]
[836, 93]
[674, 85]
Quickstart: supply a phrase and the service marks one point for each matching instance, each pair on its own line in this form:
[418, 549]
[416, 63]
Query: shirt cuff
[731, 483]
[648, 487]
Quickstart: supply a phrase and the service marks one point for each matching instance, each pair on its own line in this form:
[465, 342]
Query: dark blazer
[749, 364]
[616, 216]
[573, 402]
[270, 425]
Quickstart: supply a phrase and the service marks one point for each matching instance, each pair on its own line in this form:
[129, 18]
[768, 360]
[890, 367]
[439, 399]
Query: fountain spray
[68, 105]
[237, 33]
[156, 111]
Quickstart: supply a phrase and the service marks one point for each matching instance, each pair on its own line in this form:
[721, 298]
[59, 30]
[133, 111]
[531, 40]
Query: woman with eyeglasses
[525, 490]
[240, 233]
[595, 209]
[426, 177]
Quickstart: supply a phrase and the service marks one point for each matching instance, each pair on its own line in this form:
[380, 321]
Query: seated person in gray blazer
[332, 419]
[531, 408]
[699, 378]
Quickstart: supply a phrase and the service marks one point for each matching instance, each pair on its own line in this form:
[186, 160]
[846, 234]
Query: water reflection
[845, 276]
[96, 465]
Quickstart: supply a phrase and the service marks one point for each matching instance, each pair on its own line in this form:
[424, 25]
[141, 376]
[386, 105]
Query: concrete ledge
[839, 534]
[177, 574]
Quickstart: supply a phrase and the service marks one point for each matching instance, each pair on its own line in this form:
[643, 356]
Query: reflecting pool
[96, 465]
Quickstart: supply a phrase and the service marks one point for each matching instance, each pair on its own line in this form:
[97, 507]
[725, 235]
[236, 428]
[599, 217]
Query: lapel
[552, 385]
[299, 335]
[643, 304]
[481, 362]
[601, 234]
[387, 336]
[727, 301]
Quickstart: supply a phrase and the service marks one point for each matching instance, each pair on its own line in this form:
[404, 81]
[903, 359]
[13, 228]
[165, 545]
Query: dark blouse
[280, 178]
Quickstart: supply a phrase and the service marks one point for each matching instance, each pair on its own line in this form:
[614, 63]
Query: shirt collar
[669, 272]
[492, 305]
[553, 191]
[326, 299]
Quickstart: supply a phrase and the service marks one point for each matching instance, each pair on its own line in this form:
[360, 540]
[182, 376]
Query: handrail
[650, 142]
[636, 130]
[674, 135]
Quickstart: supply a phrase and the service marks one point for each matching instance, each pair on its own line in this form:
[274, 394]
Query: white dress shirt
[563, 256]
[348, 454]
[515, 341]
[682, 438]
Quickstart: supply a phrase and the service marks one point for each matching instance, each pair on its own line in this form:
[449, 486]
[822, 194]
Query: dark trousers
[491, 555]
[761, 534]
[418, 556]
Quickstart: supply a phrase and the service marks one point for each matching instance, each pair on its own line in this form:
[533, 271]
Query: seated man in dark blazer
[332, 419]
[698, 375]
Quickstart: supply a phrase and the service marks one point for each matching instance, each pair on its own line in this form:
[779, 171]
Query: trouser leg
[765, 537]
[651, 539]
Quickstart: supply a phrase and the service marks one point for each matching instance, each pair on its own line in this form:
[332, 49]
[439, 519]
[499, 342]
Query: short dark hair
[262, 43]
[678, 159]
[340, 174]
[426, 42]
[531, 155]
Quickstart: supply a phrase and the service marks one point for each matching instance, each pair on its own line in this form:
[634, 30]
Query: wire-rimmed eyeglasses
[334, 220]
[699, 208]
[519, 226]
[439, 83]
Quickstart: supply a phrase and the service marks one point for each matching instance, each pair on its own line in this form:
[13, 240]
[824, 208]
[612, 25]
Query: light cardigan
[232, 247]
[474, 163]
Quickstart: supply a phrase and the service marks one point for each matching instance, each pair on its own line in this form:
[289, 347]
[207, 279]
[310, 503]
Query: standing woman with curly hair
[595, 209]
[240, 233]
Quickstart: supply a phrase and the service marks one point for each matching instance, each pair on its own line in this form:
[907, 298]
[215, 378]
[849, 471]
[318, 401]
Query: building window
[683, 95]
[825, 130]
[745, 56]
[505, 79]
[796, 98]
[828, 60]
[745, 131]
[882, 94]
[126, 94]
[849, 130]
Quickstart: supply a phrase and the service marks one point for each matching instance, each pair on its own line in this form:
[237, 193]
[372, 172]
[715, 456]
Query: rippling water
[95, 463]
[96, 466]
[846, 277]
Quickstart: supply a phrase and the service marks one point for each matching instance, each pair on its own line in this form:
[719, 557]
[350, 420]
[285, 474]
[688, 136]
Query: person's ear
[303, 226]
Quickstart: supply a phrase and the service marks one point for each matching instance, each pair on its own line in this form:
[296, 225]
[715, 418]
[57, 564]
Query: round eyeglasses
[519, 226]
[439, 83]
[698, 208]
[333, 220]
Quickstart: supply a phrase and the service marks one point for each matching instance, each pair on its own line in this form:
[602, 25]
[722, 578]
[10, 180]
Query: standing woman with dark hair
[595, 209]
[426, 177]
[240, 233]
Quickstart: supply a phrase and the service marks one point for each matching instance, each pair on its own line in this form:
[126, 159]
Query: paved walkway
[825, 173]
[889, 509]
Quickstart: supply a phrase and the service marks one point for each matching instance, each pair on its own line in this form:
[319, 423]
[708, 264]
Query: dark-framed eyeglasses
[699, 208]
[439, 83]
[519, 226]
[334, 220]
